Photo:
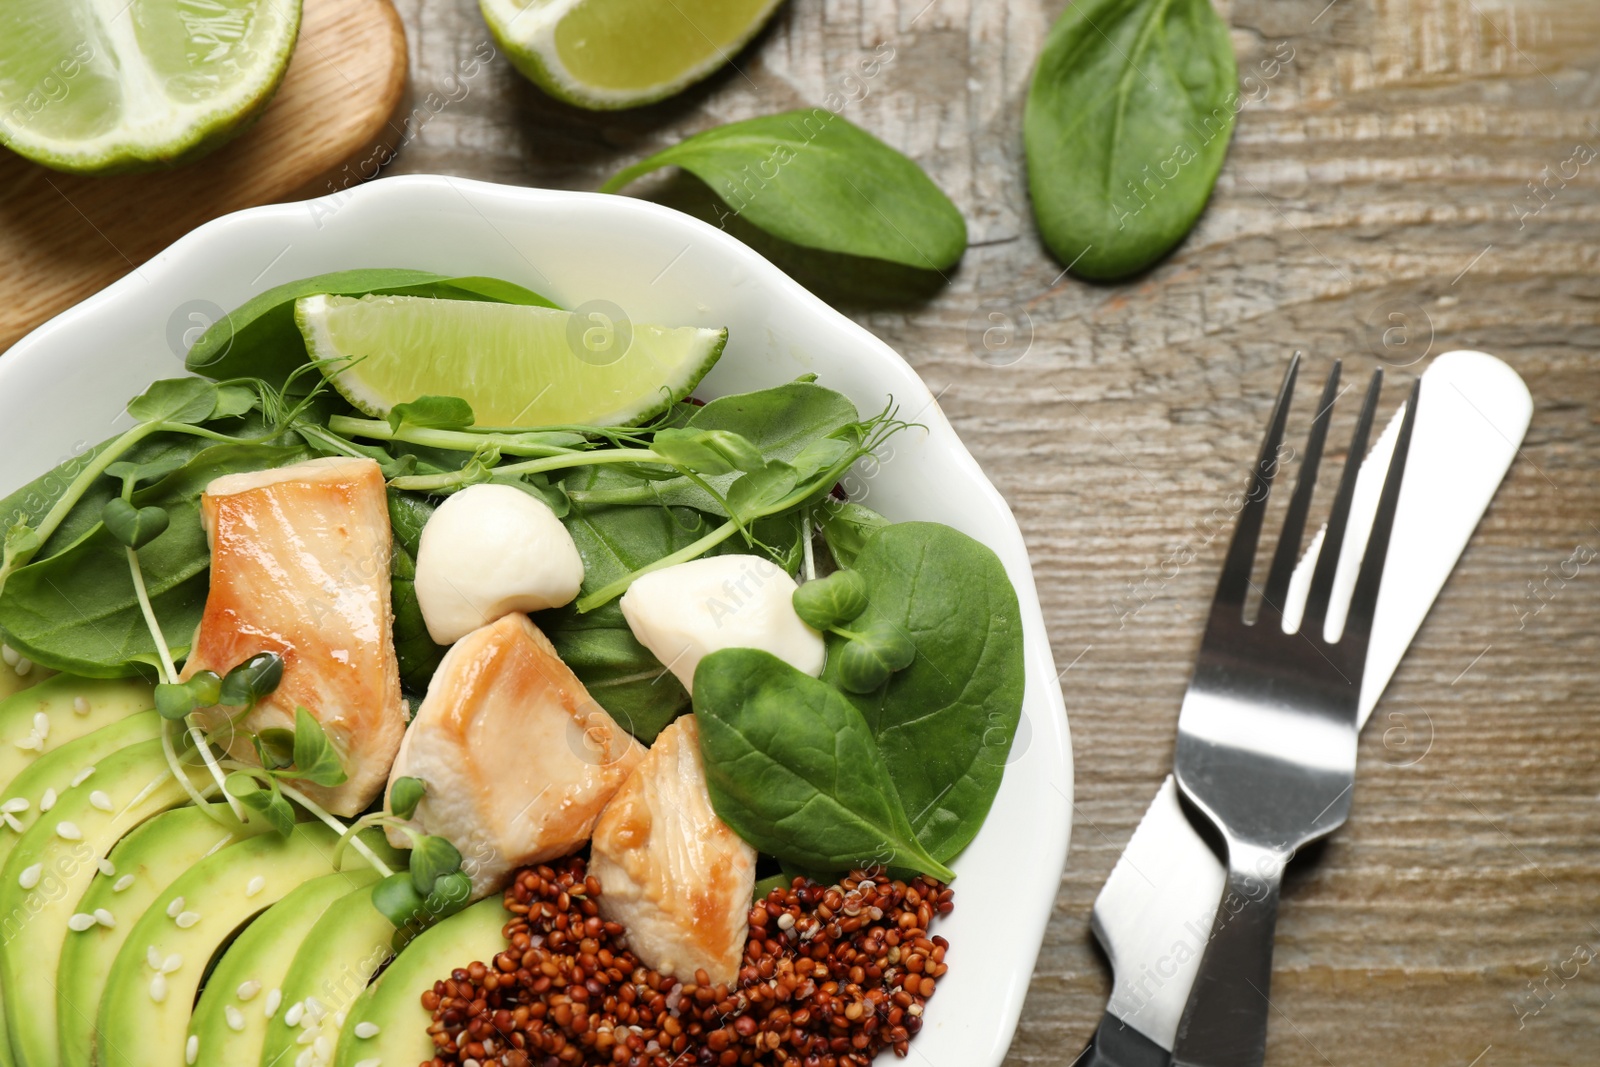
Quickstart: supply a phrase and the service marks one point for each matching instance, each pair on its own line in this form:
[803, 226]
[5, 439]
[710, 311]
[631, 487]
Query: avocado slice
[146, 862]
[144, 1016]
[229, 1027]
[102, 701]
[33, 917]
[330, 971]
[394, 1002]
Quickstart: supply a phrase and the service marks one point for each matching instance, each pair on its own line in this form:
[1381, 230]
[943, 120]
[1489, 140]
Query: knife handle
[1116, 1044]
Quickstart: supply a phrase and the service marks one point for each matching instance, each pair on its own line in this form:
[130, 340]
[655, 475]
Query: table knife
[1155, 911]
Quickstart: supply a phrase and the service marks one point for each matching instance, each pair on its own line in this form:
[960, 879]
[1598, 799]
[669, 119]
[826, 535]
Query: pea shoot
[872, 652]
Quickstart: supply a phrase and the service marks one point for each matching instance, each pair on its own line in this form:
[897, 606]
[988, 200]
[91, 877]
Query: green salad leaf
[259, 339]
[415, 648]
[77, 611]
[792, 767]
[945, 722]
[1127, 123]
[815, 179]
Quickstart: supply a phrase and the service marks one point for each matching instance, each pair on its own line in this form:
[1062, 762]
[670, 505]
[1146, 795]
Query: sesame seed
[158, 988]
[172, 963]
[187, 919]
[304, 1059]
[80, 922]
[41, 725]
[191, 1051]
[153, 958]
[257, 884]
[295, 1012]
[274, 998]
[47, 801]
[14, 805]
[68, 831]
[106, 867]
[30, 876]
[24, 665]
[338, 1020]
[10, 655]
[105, 918]
[307, 1035]
[235, 1018]
[100, 800]
[322, 1048]
[366, 1031]
[122, 883]
[80, 706]
[248, 990]
[82, 776]
[31, 743]
[13, 822]
[175, 907]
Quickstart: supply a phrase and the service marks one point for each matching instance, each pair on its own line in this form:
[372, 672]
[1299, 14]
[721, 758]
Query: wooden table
[1386, 172]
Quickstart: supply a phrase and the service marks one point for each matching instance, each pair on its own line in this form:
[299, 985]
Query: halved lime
[91, 86]
[516, 365]
[621, 53]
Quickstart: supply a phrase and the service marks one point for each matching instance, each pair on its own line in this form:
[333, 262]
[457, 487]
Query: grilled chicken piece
[516, 756]
[300, 567]
[671, 872]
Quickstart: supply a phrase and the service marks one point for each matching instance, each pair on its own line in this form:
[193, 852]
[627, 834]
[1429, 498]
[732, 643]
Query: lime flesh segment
[518, 366]
[621, 53]
[104, 85]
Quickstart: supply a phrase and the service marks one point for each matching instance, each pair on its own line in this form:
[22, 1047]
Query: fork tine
[1316, 613]
[1294, 521]
[1364, 601]
[1236, 568]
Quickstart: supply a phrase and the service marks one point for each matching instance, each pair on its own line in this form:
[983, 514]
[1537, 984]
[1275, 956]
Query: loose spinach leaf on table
[76, 611]
[1127, 123]
[418, 654]
[945, 723]
[817, 180]
[620, 673]
[259, 339]
[780, 422]
[792, 767]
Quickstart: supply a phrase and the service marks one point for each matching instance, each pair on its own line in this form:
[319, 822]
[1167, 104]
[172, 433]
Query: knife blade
[1155, 911]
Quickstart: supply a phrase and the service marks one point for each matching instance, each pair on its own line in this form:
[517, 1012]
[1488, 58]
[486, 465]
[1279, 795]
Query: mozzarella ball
[488, 551]
[683, 614]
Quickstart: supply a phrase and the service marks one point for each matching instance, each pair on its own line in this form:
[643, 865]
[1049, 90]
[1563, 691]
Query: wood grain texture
[63, 236]
[1384, 170]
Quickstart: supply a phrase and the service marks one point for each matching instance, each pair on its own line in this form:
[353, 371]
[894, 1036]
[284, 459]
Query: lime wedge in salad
[91, 87]
[518, 366]
[621, 53]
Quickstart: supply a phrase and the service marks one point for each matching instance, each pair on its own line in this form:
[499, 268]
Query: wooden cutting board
[64, 237]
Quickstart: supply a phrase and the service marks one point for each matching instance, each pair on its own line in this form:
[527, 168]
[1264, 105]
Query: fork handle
[1224, 1023]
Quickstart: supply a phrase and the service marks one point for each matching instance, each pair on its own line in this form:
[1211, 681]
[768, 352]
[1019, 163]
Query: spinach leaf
[1127, 124]
[945, 723]
[846, 527]
[259, 339]
[620, 673]
[780, 422]
[792, 767]
[76, 611]
[817, 180]
[419, 656]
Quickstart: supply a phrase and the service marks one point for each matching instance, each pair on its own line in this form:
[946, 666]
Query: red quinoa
[831, 976]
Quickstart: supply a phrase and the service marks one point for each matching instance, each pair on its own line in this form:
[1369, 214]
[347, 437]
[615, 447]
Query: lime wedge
[91, 87]
[621, 53]
[516, 365]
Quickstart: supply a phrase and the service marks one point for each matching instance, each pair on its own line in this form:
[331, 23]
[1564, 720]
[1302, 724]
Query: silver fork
[1267, 735]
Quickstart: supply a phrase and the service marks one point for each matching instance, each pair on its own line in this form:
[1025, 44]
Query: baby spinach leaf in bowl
[1127, 123]
[792, 767]
[815, 179]
[944, 724]
[77, 610]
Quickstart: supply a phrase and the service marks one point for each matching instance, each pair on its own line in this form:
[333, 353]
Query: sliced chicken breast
[516, 756]
[671, 872]
[300, 567]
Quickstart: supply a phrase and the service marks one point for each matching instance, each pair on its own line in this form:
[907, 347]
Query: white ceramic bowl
[63, 387]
